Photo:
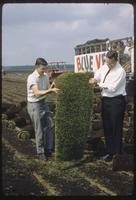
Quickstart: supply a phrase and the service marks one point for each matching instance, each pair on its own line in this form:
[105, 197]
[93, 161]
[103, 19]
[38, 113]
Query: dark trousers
[113, 109]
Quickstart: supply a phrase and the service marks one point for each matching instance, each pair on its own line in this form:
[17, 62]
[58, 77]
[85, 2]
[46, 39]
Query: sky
[52, 31]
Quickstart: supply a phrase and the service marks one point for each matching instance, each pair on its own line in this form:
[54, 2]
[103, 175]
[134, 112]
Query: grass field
[24, 174]
[14, 88]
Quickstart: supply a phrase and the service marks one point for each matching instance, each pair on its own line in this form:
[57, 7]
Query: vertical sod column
[73, 114]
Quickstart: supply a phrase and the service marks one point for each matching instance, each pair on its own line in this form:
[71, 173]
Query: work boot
[48, 153]
[41, 156]
[107, 158]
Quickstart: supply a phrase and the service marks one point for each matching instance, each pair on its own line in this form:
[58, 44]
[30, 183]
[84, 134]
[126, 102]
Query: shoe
[41, 156]
[107, 158]
[48, 153]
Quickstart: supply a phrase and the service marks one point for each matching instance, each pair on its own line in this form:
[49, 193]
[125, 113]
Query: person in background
[38, 86]
[111, 78]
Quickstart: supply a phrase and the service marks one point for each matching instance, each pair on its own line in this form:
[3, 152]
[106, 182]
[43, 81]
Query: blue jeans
[41, 118]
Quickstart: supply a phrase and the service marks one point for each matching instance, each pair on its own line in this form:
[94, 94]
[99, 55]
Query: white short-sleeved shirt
[115, 82]
[41, 81]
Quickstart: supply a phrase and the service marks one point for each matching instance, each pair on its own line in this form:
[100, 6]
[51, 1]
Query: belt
[42, 100]
[118, 97]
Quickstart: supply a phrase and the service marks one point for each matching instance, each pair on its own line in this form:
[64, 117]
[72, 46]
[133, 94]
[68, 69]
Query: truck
[55, 69]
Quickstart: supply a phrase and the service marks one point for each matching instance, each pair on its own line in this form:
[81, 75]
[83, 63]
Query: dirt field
[23, 174]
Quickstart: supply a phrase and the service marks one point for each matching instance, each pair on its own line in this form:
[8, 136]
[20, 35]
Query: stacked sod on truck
[73, 115]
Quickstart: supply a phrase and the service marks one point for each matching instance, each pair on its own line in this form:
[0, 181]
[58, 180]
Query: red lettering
[98, 61]
[78, 63]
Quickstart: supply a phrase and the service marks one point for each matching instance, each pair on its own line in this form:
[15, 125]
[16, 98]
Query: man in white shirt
[111, 78]
[38, 86]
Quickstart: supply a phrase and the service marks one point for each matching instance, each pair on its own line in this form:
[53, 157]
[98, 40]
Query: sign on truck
[91, 55]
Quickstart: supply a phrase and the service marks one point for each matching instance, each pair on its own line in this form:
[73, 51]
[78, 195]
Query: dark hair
[112, 54]
[41, 61]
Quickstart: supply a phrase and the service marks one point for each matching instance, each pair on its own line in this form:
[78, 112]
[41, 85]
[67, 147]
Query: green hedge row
[73, 114]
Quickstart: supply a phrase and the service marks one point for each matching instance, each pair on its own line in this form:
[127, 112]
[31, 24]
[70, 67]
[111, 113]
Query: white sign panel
[132, 59]
[89, 62]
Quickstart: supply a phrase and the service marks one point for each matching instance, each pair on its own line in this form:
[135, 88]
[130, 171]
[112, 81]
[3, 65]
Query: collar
[36, 73]
[117, 65]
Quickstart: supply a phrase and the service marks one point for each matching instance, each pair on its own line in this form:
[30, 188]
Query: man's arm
[39, 93]
[113, 86]
[97, 77]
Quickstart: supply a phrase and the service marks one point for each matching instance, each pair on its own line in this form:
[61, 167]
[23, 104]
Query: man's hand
[92, 81]
[54, 90]
[52, 85]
